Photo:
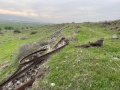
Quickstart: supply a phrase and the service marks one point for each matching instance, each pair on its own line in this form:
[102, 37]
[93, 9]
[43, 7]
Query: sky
[63, 11]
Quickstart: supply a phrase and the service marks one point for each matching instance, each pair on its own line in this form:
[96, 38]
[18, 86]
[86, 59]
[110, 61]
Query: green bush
[26, 49]
[33, 32]
[17, 31]
[29, 48]
[8, 28]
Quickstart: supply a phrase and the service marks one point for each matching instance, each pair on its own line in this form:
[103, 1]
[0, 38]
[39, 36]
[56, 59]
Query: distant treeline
[12, 28]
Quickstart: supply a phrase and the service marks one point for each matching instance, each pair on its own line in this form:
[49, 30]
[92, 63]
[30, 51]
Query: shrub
[8, 28]
[17, 31]
[33, 32]
[26, 49]
[78, 26]
[29, 48]
[22, 27]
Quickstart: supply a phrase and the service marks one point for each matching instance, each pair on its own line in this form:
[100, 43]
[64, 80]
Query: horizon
[53, 11]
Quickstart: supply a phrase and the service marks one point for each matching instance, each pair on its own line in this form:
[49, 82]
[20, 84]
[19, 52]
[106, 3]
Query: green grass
[85, 69]
[10, 43]
[72, 68]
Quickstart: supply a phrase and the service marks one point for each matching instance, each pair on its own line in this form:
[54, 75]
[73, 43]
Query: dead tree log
[97, 43]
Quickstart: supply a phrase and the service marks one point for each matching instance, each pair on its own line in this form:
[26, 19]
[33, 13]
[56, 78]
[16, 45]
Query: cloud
[19, 13]
[63, 10]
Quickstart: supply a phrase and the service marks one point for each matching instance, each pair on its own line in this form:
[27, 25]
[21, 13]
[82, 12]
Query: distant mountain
[14, 18]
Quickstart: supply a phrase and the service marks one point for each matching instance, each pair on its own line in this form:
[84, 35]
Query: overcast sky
[58, 11]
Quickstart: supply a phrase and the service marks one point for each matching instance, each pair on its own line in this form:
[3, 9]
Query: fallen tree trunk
[97, 43]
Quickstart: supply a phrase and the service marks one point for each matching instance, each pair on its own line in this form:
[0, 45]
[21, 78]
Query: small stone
[18, 82]
[52, 84]
[115, 58]
[77, 31]
[115, 36]
[10, 84]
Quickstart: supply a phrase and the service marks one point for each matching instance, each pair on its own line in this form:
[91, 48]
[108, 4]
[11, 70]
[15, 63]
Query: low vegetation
[94, 68]
[33, 32]
[17, 31]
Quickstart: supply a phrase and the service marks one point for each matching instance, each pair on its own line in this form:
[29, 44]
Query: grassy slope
[72, 68]
[85, 69]
[11, 43]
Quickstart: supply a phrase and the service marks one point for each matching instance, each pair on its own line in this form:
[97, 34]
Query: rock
[22, 38]
[52, 84]
[10, 84]
[115, 58]
[115, 36]
[77, 31]
[18, 82]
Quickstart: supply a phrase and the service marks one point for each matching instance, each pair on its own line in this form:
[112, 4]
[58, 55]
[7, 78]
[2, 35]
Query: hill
[15, 18]
[94, 68]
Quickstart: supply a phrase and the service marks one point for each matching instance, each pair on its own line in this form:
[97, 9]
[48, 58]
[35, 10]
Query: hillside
[15, 18]
[85, 68]
[94, 68]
